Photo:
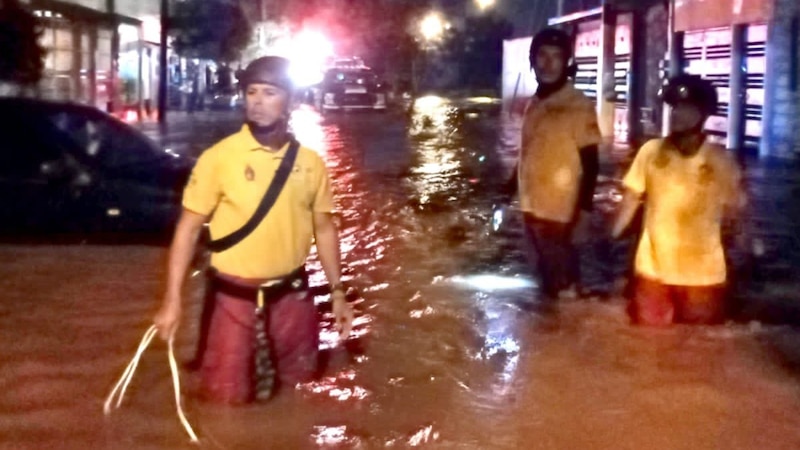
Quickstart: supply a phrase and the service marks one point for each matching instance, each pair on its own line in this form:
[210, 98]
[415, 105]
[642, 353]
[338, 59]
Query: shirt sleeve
[323, 198]
[202, 192]
[587, 132]
[636, 178]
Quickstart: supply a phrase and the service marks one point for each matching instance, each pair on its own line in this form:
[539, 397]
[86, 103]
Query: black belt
[294, 282]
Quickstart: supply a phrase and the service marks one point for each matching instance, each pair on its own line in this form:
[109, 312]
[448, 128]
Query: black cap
[553, 37]
[690, 89]
[272, 70]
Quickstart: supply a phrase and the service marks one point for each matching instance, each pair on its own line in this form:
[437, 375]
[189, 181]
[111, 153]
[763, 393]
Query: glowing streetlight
[483, 5]
[432, 26]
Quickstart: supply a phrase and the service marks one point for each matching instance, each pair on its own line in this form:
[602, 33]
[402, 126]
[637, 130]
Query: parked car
[67, 168]
[347, 88]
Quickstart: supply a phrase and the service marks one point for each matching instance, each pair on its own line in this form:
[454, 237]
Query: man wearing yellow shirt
[557, 169]
[688, 186]
[225, 188]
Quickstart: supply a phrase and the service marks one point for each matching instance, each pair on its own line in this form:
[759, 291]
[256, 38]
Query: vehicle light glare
[310, 50]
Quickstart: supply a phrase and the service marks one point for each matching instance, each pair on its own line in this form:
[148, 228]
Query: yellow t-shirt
[228, 182]
[553, 132]
[684, 199]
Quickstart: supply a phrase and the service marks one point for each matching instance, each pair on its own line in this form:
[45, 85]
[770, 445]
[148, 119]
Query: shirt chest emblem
[249, 173]
[705, 174]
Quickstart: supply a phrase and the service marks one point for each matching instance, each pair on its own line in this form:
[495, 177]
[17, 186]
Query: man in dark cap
[688, 186]
[558, 165]
[262, 271]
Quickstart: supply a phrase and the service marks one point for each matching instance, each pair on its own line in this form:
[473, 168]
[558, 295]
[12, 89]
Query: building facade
[749, 49]
[101, 52]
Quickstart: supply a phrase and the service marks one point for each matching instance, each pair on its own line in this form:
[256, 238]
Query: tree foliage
[480, 50]
[209, 29]
[21, 54]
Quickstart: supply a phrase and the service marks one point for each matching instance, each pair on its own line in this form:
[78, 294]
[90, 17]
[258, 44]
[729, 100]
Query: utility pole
[262, 8]
[162, 63]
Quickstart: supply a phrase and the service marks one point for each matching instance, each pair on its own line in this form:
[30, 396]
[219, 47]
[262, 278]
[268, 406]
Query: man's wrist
[337, 287]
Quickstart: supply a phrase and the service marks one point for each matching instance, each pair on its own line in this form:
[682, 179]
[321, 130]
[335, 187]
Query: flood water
[451, 347]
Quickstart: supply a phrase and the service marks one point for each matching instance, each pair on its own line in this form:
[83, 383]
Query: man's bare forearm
[327, 238]
[630, 203]
[182, 249]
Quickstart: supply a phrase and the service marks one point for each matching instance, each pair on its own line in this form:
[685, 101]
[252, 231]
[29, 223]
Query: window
[23, 148]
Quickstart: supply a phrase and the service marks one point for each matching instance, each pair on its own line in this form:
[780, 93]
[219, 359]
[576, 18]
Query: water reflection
[305, 123]
[490, 282]
[340, 387]
[326, 436]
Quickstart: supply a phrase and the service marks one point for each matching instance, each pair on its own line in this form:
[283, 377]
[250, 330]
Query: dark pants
[554, 253]
[228, 359]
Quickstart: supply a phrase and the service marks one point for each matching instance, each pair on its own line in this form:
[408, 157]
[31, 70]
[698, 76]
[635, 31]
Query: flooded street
[451, 348]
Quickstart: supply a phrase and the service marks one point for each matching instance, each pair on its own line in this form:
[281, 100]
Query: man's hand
[343, 313]
[168, 317]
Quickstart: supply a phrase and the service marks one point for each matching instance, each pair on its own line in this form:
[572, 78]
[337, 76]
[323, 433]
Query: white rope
[176, 383]
[127, 376]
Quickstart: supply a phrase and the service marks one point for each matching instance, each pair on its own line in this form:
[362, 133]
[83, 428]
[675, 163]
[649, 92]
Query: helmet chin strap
[545, 90]
[264, 133]
[688, 142]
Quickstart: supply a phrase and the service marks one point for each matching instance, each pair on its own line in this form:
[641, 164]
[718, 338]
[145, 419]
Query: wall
[518, 83]
[782, 130]
[655, 50]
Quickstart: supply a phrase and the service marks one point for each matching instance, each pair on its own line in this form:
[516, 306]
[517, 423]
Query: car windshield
[104, 140]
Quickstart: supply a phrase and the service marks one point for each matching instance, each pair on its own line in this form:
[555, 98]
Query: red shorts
[658, 304]
[228, 362]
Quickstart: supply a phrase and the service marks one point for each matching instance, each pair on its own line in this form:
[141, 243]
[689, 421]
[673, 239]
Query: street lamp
[483, 5]
[431, 29]
[432, 26]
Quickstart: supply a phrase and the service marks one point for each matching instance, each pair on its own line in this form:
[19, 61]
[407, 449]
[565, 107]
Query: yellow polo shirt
[228, 183]
[685, 199]
[554, 130]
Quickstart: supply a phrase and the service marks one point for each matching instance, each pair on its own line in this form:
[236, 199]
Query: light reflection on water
[491, 282]
[325, 436]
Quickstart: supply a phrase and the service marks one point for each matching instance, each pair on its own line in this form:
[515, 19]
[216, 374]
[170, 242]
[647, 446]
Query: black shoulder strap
[275, 188]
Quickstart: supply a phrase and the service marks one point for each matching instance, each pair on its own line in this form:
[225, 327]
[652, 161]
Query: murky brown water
[451, 350]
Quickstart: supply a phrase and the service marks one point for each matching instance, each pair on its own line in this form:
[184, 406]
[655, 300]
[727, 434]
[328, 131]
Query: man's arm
[327, 238]
[181, 253]
[627, 209]
[510, 187]
[590, 163]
